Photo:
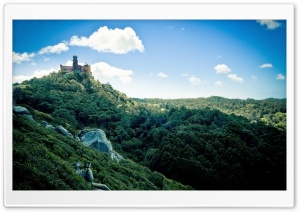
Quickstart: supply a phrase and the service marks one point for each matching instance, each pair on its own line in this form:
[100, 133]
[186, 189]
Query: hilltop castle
[76, 68]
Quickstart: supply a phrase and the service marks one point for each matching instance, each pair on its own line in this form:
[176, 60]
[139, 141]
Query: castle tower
[75, 63]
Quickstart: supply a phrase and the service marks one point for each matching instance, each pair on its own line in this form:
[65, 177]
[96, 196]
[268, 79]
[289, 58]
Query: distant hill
[271, 111]
[205, 143]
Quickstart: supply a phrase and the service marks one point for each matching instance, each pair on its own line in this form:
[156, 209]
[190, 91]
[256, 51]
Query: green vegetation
[45, 160]
[205, 143]
[271, 111]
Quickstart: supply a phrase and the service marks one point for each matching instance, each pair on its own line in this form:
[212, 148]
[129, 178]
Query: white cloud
[103, 71]
[218, 84]
[161, 74]
[69, 63]
[19, 58]
[222, 69]
[194, 80]
[37, 74]
[266, 65]
[234, 77]
[280, 77]
[46, 59]
[118, 41]
[33, 64]
[56, 49]
[185, 75]
[270, 24]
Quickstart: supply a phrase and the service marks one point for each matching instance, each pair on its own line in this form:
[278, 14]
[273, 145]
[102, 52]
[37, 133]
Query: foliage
[251, 109]
[205, 143]
[45, 160]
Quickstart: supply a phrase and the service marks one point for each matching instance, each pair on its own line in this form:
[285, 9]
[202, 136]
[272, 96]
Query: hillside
[206, 143]
[45, 160]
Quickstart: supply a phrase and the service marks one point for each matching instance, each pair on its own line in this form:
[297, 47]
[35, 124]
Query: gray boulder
[62, 130]
[48, 126]
[28, 117]
[97, 138]
[20, 110]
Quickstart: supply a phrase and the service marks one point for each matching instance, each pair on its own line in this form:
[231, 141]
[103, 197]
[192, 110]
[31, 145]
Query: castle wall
[86, 69]
[66, 68]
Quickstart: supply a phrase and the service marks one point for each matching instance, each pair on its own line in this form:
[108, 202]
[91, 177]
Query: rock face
[97, 139]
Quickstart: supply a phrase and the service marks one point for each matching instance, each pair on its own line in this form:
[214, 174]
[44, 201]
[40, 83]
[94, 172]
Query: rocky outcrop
[97, 138]
[60, 129]
[116, 156]
[48, 126]
[19, 110]
[90, 137]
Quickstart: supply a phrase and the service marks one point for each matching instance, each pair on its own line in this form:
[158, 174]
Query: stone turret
[75, 63]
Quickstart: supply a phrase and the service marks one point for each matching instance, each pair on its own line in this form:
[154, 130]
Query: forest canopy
[168, 144]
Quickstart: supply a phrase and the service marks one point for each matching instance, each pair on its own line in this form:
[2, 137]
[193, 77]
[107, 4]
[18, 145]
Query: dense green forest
[205, 143]
[270, 111]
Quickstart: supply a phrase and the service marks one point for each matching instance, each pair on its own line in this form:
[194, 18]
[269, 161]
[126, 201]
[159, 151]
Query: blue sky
[161, 58]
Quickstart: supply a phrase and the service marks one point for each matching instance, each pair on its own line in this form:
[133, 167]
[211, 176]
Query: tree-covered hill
[206, 143]
[270, 111]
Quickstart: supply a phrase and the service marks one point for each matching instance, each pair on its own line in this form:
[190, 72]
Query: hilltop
[45, 159]
[204, 143]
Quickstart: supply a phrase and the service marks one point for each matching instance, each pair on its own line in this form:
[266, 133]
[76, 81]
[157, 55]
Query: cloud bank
[194, 80]
[267, 65]
[56, 49]
[280, 77]
[162, 75]
[118, 41]
[270, 24]
[103, 71]
[19, 58]
[37, 74]
[222, 69]
[235, 78]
